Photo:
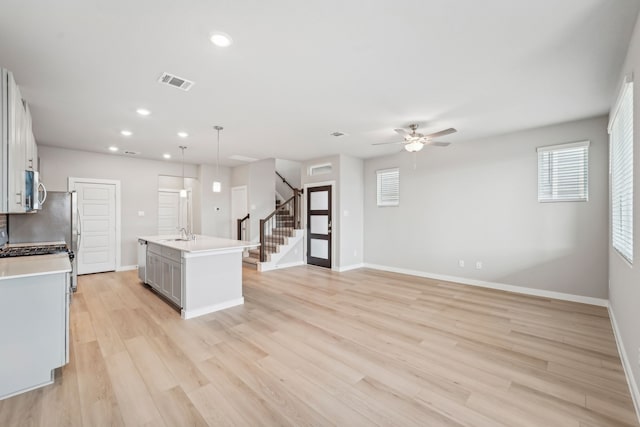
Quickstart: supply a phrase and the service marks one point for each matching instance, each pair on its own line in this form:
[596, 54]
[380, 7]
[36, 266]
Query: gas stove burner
[28, 249]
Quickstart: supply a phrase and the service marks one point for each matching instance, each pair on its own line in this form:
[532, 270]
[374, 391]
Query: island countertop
[201, 244]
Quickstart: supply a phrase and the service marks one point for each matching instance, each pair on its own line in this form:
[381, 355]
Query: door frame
[71, 184]
[246, 201]
[335, 225]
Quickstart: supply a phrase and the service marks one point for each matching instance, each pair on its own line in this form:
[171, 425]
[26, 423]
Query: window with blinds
[621, 170]
[388, 187]
[563, 172]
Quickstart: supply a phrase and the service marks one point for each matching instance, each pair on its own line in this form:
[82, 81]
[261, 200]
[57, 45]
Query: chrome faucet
[185, 234]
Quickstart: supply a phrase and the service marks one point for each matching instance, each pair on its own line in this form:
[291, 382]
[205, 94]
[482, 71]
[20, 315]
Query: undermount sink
[175, 240]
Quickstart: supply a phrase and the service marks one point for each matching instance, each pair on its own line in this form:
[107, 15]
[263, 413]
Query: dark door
[319, 226]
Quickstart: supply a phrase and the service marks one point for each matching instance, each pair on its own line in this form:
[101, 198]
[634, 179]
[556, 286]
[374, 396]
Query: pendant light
[183, 192]
[217, 185]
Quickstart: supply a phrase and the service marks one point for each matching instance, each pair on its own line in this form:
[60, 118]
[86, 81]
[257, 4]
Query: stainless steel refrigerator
[57, 221]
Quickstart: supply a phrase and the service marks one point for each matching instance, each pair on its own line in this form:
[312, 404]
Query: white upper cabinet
[21, 149]
[31, 147]
[17, 149]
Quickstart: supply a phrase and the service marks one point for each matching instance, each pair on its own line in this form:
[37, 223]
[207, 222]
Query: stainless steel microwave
[35, 191]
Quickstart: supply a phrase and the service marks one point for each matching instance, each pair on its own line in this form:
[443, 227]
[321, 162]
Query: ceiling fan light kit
[414, 146]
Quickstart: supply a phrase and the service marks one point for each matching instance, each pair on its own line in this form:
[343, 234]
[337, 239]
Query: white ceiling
[299, 70]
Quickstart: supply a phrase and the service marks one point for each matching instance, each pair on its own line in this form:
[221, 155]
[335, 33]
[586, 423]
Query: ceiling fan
[414, 141]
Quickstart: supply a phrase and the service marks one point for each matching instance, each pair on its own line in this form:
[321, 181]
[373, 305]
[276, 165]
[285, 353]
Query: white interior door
[239, 208]
[168, 212]
[97, 207]
[174, 212]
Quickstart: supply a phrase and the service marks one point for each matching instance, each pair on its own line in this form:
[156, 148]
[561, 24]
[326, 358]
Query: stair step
[274, 240]
[282, 231]
[250, 260]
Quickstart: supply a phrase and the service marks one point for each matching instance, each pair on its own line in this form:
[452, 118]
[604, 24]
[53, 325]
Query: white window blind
[563, 172]
[621, 170]
[388, 187]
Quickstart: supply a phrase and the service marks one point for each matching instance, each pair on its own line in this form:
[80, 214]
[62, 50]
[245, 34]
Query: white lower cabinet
[34, 327]
[164, 272]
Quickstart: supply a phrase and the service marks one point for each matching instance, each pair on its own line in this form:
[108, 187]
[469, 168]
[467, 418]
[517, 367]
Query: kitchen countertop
[36, 265]
[201, 244]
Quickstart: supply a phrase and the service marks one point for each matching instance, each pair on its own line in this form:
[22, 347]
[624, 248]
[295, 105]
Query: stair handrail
[294, 189]
[240, 221]
[293, 201]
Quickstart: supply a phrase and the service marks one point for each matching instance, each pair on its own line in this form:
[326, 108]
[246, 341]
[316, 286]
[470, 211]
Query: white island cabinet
[200, 276]
[34, 321]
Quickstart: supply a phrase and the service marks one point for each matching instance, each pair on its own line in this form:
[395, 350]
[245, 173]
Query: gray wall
[477, 201]
[351, 213]
[624, 279]
[290, 171]
[240, 175]
[261, 193]
[139, 186]
[215, 207]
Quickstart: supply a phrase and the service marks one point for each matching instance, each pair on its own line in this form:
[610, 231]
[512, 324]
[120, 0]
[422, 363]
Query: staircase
[279, 233]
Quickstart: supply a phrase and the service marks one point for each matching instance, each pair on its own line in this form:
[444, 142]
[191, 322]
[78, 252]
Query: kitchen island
[199, 276]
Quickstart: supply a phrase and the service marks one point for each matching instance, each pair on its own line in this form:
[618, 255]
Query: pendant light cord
[218, 128]
[182, 147]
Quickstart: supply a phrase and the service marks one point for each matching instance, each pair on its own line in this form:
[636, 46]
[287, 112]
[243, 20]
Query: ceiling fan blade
[386, 143]
[441, 133]
[402, 132]
[438, 143]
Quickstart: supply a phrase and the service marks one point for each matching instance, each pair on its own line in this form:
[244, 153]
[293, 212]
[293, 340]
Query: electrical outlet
[355, 252]
[479, 265]
[461, 263]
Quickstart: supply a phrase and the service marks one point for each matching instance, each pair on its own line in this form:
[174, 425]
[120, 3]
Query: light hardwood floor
[315, 347]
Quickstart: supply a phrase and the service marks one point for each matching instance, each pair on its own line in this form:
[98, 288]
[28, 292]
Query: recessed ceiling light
[143, 111]
[126, 132]
[113, 148]
[166, 155]
[183, 134]
[221, 39]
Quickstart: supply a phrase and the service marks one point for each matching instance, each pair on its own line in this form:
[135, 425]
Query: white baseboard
[348, 267]
[264, 266]
[493, 285]
[127, 268]
[633, 385]
[190, 314]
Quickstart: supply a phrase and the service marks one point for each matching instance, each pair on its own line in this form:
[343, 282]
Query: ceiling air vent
[175, 81]
[242, 158]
